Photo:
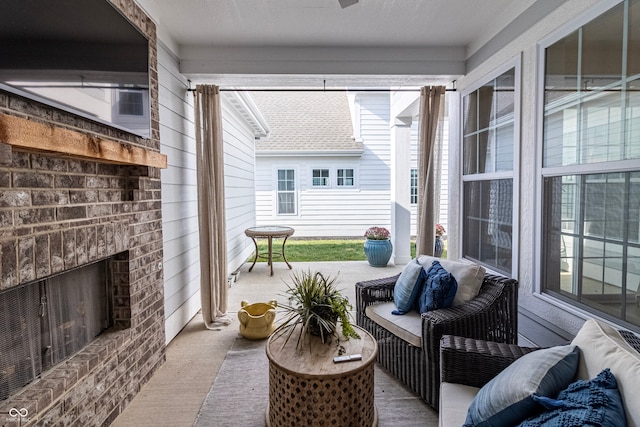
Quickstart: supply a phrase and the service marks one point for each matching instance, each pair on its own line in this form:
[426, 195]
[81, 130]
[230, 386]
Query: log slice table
[306, 388]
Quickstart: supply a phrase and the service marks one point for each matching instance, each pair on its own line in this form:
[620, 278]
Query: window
[489, 140]
[130, 103]
[345, 178]
[320, 178]
[591, 178]
[414, 186]
[286, 196]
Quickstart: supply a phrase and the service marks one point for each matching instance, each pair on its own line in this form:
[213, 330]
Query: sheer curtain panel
[211, 215]
[429, 166]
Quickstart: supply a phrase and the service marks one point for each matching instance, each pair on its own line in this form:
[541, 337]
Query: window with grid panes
[489, 135]
[590, 249]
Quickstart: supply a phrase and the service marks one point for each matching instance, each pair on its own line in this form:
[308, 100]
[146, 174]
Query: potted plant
[317, 306]
[377, 246]
[439, 246]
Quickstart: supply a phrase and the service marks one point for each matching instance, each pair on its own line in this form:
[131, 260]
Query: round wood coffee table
[306, 388]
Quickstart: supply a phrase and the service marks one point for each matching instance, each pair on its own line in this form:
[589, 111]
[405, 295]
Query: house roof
[306, 122]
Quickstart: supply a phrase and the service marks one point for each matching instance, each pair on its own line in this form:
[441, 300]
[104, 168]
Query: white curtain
[211, 217]
[429, 166]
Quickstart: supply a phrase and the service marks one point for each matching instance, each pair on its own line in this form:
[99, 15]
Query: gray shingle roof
[306, 121]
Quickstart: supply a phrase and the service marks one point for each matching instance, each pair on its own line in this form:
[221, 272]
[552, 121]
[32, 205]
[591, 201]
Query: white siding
[239, 185]
[444, 180]
[180, 199]
[336, 211]
[323, 212]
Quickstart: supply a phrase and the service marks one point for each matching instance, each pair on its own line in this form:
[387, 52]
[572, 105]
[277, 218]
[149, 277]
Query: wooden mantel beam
[25, 133]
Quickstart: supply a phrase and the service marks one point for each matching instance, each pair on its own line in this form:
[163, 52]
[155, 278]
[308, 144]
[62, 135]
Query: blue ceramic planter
[378, 252]
[439, 247]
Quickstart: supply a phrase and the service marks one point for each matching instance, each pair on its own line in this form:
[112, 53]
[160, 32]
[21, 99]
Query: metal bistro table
[269, 232]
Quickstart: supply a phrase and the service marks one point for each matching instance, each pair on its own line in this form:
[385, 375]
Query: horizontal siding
[444, 184]
[179, 195]
[332, 211]
[239, 185]
[340, 212]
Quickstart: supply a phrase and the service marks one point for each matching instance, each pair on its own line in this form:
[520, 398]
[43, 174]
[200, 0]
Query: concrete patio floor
[174, 394]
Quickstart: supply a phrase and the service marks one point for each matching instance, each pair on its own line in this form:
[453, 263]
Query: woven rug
[240, 394]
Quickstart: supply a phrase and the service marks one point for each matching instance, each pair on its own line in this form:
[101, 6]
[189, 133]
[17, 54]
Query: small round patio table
[306, 388]
[269, 232]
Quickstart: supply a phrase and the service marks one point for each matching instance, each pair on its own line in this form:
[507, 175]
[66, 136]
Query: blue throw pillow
[439, 289]
[407, 287]
[507, 399]
[595, 402]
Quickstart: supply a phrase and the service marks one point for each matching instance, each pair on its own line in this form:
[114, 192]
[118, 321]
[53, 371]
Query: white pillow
[468, 275]
[602, 347]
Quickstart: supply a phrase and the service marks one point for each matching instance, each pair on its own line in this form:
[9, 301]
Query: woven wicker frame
[475, 362]
[492, 315]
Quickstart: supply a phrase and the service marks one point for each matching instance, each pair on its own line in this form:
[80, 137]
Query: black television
[82, 56]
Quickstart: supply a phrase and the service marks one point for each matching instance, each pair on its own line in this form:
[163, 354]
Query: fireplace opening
[45, 322]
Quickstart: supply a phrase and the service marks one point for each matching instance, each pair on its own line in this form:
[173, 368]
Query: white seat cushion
[602, 347]
[454, 402]
[406, 326]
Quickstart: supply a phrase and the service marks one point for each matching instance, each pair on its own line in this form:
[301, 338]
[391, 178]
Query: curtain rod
[324, 89]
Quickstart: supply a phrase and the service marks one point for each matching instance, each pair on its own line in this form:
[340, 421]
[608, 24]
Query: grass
[299, 250]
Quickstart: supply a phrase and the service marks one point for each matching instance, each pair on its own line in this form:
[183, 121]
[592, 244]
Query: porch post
[400, 189]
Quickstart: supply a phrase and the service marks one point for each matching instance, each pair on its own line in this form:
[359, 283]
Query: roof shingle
[306, 122]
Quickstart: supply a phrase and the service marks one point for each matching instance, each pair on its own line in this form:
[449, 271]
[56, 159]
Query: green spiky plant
[315, 303]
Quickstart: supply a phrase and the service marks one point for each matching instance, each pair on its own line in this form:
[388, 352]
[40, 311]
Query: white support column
[401, 189]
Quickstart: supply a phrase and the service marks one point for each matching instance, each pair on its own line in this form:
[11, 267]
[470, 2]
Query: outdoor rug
[240, 394]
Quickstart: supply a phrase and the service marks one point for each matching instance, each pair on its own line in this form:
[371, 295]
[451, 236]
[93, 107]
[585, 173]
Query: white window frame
[353, 177]
[120, 93]
[413, 185]
[294, 192]
[514, 174]
[555, 171]
[326, 180]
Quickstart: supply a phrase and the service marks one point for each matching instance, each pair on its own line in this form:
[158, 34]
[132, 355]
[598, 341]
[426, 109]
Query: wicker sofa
[468, 364]
[491, 315]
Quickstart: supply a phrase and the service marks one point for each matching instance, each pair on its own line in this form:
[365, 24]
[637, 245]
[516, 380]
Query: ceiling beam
[199, 60]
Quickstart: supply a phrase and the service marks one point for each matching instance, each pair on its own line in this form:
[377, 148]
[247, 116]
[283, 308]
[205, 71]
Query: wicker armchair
[492, 315]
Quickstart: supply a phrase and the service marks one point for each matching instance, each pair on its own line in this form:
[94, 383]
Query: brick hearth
[58, 213]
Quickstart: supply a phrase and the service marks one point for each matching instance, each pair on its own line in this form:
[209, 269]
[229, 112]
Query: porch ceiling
[304, 43]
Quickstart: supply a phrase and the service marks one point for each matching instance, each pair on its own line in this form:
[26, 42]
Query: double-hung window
[590, 252]
[490, 136]
[286, 195]
[414, 186]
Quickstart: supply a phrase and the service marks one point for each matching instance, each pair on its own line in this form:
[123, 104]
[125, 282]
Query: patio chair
[491, 315]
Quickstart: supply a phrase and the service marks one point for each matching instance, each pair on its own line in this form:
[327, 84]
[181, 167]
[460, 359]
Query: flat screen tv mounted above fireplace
[82, 56]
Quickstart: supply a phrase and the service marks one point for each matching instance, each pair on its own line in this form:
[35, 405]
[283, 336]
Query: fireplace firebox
[45, 322]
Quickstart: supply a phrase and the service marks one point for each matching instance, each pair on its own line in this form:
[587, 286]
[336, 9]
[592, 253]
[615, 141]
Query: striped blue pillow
[407, 287]
[508, 399]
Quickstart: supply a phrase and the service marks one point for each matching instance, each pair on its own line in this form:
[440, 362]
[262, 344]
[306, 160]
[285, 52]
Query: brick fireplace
[63, 210]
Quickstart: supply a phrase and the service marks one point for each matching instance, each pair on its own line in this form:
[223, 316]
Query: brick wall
[58, 213]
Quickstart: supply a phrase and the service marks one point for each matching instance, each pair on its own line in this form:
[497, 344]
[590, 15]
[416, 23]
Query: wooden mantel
[25, 133]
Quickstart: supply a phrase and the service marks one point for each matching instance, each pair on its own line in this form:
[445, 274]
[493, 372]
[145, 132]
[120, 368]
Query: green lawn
[320, 250]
